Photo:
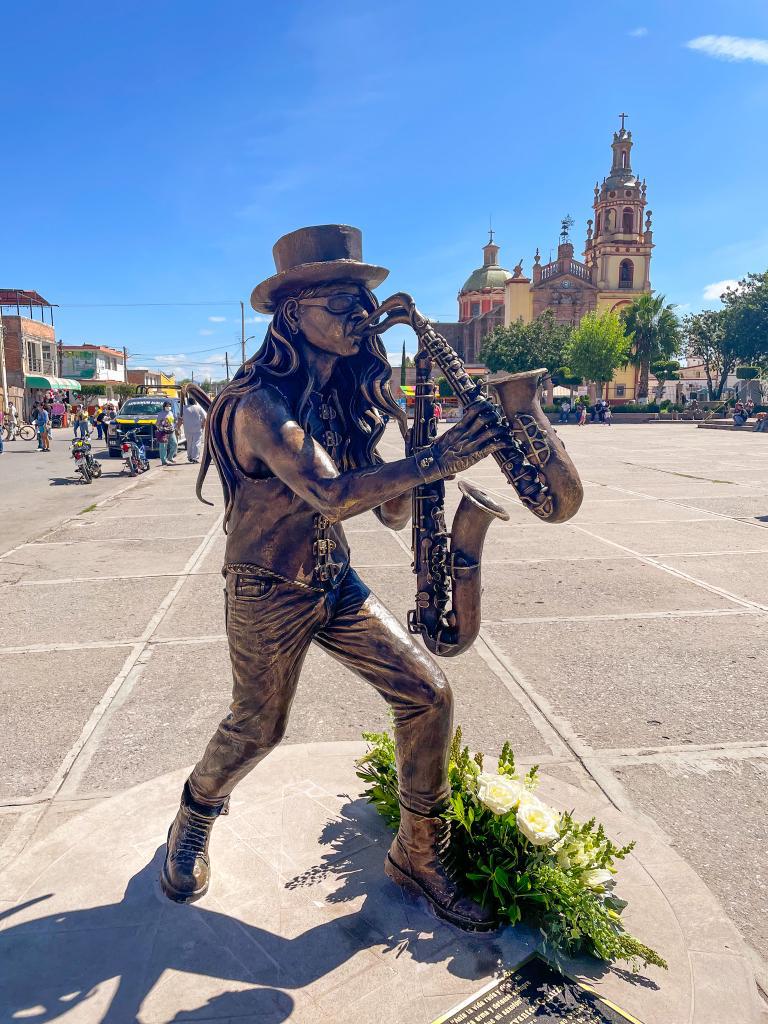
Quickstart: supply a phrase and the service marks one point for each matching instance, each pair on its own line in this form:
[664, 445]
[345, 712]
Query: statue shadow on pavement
[51, 964]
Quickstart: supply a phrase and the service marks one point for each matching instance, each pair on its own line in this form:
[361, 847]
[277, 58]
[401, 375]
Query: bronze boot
[186, 870]
[419, 861]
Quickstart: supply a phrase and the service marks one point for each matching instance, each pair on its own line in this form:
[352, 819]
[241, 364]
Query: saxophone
[533, 460]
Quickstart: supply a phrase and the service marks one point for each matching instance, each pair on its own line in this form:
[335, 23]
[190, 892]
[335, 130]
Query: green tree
[655, 331]
[124, 390]
[746, 319]
[705, 340]
[664, 370]
[566, 378]
[521, 346]
[598, 347]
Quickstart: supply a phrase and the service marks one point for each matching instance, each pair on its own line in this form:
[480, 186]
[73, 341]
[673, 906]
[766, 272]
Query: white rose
[537, 821]
[596, 878]
[499, 793]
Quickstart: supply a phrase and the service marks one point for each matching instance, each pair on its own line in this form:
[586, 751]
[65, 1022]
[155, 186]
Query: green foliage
[598, 347]
[664, 370]
[636, 407]
[444, 389]
[564, 377]
[747, 372]
[93, 391]
[705, 340]
[746, 319]
[655, 332]
[553, 885]
[124, 390]
[522, 347]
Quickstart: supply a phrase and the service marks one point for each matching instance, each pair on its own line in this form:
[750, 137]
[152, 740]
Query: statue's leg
[269, 629]
[367, 638]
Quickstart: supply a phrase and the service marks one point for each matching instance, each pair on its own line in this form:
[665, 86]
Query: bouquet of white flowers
[516, 854]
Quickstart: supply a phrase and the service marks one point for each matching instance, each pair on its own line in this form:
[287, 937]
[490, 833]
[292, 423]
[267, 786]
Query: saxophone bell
[474, 515]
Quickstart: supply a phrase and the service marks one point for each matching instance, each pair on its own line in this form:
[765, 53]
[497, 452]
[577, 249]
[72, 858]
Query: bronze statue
[294, 439]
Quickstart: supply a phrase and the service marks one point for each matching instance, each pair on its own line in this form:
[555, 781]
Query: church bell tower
[618, 250]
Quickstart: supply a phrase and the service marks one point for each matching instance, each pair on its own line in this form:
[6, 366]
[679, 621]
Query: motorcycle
[134, 454]
[85, 464]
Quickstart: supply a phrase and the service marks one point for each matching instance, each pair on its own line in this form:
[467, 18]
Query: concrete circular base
[300, 923]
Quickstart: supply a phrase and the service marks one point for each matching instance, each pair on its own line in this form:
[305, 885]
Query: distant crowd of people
[743, 412]
[598, 412]
[50, 412]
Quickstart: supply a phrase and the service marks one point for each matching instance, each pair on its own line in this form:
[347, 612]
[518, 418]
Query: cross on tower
[622, 116]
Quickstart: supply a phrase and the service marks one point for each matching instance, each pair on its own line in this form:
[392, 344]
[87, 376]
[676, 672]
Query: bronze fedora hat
[314, 256]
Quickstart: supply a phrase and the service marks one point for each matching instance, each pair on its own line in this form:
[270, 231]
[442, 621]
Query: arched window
[610, 220]
[623, 158]
[599, 222]
[627, 221]
[626, 273]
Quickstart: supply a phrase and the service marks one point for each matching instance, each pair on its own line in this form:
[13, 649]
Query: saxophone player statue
[294, 438]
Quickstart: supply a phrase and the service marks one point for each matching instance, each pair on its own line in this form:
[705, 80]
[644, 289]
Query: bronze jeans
[270, 625]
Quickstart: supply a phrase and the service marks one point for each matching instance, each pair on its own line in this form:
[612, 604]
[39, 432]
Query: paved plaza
[624, 652]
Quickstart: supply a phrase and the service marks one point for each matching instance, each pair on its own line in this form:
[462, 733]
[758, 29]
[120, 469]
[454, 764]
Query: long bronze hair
[361, 380]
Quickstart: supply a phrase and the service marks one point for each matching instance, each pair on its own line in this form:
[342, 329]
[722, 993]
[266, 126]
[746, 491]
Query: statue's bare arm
[396, 512]
[266, 432]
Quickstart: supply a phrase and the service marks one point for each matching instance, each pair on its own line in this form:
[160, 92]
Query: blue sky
[154, 152]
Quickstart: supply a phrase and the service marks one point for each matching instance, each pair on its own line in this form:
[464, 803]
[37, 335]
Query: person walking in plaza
[565, 408]
[582, 415]
[101, 430]
[13, 421]
[164, 431]
[43, 423]
[194, 424]
[33, 420]
[608, 415]
[80, 423]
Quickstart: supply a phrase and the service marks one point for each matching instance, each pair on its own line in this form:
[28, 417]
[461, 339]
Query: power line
[194, 352]
[123, 305]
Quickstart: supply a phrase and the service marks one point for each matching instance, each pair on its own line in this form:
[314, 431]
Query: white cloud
[205, 332]
[176, 357]
[257, 319]
[639, 32]
[731, 48]
[217, 319]
[715, 290]
[215, 359]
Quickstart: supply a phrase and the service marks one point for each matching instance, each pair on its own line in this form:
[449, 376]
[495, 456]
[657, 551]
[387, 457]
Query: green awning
[51, 383]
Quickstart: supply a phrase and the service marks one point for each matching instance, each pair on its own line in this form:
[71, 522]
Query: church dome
[485, 277]
[490, 275]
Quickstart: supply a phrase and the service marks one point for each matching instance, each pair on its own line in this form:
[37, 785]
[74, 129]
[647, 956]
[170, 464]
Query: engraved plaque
[535, 993]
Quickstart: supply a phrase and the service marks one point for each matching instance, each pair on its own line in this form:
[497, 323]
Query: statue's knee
[438, 692]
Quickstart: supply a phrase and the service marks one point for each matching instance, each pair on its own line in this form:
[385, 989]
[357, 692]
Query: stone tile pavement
[624, 651]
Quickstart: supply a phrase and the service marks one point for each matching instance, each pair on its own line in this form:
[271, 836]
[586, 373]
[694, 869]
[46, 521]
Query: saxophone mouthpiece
[398, 310]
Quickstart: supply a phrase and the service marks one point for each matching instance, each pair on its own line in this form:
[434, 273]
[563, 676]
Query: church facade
[615, 269]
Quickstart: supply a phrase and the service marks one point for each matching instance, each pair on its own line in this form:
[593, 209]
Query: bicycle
[26, 432]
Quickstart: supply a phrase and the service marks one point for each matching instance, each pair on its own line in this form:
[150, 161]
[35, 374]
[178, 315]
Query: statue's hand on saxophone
[477, 434]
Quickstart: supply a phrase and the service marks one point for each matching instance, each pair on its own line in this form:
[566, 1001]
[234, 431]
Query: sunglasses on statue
[334, 303]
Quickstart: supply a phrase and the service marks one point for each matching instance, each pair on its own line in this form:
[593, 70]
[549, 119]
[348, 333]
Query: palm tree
[652, 321]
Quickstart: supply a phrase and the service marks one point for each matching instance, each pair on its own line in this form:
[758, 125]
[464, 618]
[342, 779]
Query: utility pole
[242, 331]
[6, 399]
[125, 365]
[226, 361]
[60, 359]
